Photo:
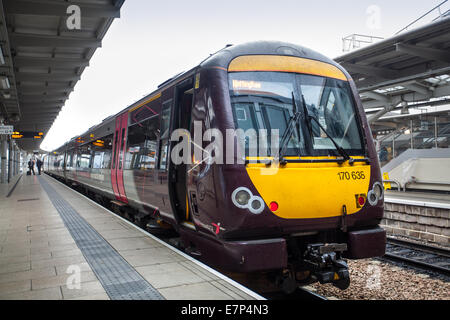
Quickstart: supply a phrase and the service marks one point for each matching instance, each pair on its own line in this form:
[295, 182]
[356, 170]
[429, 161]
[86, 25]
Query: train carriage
[310, 196]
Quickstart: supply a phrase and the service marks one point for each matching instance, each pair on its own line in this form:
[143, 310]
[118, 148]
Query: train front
[309, 184]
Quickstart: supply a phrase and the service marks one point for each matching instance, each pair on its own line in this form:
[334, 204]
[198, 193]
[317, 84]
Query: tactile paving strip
[119, 279]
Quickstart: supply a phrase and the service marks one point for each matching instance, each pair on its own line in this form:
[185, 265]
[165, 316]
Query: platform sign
[27, 134]
[6, 130]
[387, 185]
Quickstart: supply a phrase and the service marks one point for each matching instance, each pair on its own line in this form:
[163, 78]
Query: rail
[418, 255]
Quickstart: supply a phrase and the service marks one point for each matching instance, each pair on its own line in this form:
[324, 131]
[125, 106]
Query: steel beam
[371, 71]
[418, 88]
[56, 77]
[377, 96]
[42, 104]
[426, 53]
[438, 92]
[20, 62]
[37, 97]
[28, 40]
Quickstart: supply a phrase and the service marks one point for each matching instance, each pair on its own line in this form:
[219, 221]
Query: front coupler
[326, 263]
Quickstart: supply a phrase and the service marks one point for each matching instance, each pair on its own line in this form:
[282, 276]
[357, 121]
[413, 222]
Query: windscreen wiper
[341, 150]
[289, 130]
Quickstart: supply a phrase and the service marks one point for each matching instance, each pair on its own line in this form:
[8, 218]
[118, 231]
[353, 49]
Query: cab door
[119, 149]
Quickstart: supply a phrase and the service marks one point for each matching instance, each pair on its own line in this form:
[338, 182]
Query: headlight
[240, 197]
[378, 189]
[372, 197]
[256, 205]
[243, 198]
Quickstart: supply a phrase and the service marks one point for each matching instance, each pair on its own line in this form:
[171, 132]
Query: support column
[10, 175]
[4, 160]
[435, 133]
[393, 146]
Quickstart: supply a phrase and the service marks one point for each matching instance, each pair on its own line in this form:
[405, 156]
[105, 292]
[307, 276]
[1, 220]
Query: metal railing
[355, 41]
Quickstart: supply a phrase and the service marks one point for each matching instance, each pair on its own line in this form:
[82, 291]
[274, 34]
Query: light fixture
[6, 95]
[243, 198]
[4, 81]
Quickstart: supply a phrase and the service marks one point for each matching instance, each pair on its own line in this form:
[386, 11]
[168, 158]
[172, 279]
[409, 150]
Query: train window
[272, 95]
[163, 155]
[142, 145]
[84, 157]
[329, 101]
[101, 152]
[68, 160]
[72, 158]
[165, 120]
[107, 151]
[164, 139]
[98, 160]
[277, 118]
[245, 116]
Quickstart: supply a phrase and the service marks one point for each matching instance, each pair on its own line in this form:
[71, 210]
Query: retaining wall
[417, 222]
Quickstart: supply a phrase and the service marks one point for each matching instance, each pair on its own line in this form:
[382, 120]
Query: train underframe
[274, 264]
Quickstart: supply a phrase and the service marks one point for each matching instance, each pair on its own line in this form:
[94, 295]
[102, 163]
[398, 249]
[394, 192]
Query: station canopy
[45, 47]
[410, 70]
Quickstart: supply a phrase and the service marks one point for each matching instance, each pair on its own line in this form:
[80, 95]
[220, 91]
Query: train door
[178, 173]
[117, 162]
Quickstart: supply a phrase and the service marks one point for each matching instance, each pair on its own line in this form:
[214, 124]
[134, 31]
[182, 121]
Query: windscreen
[268, 100]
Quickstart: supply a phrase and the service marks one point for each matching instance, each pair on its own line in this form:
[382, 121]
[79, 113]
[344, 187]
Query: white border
[419, 203]
[202, 265]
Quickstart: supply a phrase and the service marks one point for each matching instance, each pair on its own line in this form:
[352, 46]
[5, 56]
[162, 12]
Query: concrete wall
[417, 222]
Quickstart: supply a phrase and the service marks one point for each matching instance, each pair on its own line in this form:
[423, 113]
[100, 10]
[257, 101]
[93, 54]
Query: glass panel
[165, 119]
[163, 155]
[264, 100]
[142, 145]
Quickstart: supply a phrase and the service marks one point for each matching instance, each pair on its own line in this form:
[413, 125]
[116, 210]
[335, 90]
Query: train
[296, 209]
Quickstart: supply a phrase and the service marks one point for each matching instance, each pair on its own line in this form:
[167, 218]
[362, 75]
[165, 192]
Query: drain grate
[119, 279]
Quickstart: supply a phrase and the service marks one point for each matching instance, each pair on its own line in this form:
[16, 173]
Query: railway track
[418, 255]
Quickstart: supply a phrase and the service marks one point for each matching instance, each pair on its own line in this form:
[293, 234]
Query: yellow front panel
[311, 190]
[285, 64]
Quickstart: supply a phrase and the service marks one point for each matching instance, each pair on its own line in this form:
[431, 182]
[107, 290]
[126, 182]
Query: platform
[423, 199]
[57, 244]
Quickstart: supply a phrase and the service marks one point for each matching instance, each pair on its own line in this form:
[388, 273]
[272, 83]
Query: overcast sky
[154, 40]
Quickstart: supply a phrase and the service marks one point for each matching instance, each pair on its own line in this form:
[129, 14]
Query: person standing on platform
[39, 165]
[31, 166]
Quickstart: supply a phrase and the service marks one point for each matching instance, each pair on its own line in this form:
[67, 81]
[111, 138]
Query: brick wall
[419, 223]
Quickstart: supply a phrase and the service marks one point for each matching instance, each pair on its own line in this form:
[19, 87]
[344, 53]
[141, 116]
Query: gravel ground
[376, 280]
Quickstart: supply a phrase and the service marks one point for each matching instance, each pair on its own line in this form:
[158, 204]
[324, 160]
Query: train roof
[222, 58]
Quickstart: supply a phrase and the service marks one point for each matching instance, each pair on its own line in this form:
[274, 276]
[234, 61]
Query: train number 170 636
[354, 175]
